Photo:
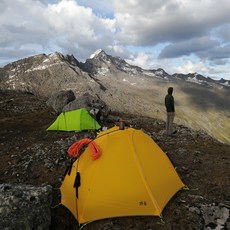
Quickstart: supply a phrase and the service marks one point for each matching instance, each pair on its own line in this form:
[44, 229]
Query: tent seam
[143, 179]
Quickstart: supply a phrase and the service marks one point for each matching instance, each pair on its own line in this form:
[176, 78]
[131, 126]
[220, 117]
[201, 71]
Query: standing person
[170, 109]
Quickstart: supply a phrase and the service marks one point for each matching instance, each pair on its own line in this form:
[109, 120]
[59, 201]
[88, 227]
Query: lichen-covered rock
[58, 100]
[88, 102]
[25, 206]
[216, 216]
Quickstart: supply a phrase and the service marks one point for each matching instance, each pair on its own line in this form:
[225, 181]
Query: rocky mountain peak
[56, 56]
[161, 72]
[224, 82]
[71, 59]
[100, 62]
[97, 61]
[98, 53]
[40, 62]
[101, 55]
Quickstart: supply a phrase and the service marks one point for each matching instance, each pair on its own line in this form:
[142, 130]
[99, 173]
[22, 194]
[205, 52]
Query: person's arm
[172, 104]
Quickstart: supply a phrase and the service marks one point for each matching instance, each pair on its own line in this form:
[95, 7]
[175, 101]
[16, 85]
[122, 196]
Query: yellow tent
[132, 177]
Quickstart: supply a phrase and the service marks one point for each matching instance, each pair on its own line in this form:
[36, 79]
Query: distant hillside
[201, 103]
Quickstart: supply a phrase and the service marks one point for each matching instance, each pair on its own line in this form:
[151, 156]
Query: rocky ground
[30, 155]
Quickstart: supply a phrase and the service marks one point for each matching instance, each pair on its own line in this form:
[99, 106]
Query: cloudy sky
[180, 36]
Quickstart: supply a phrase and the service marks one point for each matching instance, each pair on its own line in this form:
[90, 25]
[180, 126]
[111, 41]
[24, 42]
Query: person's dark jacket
[169, 101]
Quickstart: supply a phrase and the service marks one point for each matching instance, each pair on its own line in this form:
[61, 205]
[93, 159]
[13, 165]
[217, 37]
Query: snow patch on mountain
[131, 83]
[195, 80]
[129, 69]
[225, 83]
[96, 53]
[159, 72]
[42, 67]
[103, 71]
[149, 73]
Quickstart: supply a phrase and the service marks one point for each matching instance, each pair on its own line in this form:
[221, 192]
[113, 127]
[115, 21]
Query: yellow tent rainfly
[132, 177]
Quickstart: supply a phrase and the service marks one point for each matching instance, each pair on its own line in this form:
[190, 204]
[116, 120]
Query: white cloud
[202, 68]
[102, 8]
[65, 26]
[150, 22]
[176, 31]
[191, 67]
[141, 59]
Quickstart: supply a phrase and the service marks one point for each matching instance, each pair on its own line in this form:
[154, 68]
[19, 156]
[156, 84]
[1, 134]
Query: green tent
[76, 120]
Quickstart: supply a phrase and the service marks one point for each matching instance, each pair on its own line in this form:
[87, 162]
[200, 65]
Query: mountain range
[201, 102]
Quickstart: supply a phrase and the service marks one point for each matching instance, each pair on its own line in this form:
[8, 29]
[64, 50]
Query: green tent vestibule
[76, 120]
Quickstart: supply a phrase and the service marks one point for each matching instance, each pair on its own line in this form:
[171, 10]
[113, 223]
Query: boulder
[93, 104]
[58, 100]
[25, 206]
[216, 216]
